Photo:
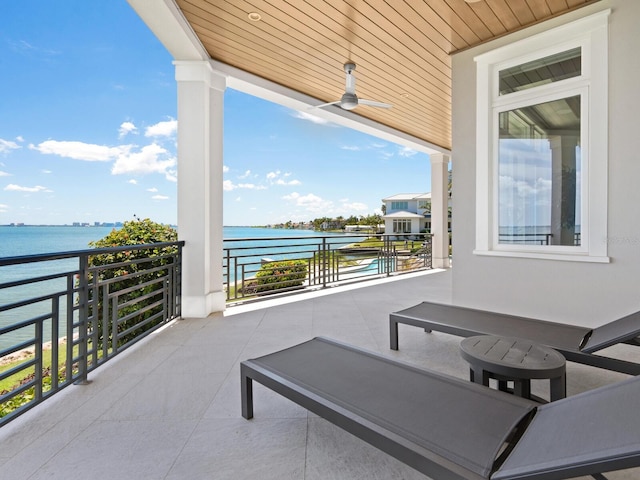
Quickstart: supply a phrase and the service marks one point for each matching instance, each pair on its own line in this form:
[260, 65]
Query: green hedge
[279, 275]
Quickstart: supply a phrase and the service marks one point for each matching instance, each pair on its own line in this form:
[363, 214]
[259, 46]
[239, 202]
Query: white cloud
[4, 174]
[26, 48]
[274, 179]
[79, 150]
[133, 181]
[147, 160]
[46, 171]
[160, 197]
[228, 186]
[280, 181]
[312, 118]
[352, 148]
[355, 207]
[152, 190]
[162, 129]
[407, 152]
[310, 202]
[4, 208]
[171, 175]
[246, 174]
[17, 188]
[225, 169]
[7, 145]
[126, 128]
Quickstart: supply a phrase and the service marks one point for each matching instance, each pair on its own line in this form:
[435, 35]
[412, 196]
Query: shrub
[131, 267]
[279, 275]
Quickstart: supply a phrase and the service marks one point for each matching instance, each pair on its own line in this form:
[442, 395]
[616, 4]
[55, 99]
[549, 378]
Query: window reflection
[539, 165]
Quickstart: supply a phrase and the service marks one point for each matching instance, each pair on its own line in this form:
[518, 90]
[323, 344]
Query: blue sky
[88, 132]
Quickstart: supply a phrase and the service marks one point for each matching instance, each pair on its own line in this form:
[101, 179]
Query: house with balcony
[533, 102]
[409, 213]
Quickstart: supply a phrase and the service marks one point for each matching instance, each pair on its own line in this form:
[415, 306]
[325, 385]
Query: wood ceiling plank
[579, 3]
[539, 8]
[485, 16]
[469, 16]
[447, 22]
[522, 11]
[557, 6]
[502, 11]
[426, 30]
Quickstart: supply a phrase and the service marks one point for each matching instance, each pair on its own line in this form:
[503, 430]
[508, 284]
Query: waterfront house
[407, 213]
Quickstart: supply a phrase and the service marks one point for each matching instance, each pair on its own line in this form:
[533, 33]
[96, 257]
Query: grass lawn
[14, 380]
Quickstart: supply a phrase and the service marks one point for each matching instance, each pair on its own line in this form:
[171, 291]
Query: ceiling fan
[349, 99]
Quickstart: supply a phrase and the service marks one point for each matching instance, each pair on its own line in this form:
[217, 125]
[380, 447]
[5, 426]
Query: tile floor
[169, 408]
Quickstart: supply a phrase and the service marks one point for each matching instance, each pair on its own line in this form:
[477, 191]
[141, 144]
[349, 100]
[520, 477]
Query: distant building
[408, 213]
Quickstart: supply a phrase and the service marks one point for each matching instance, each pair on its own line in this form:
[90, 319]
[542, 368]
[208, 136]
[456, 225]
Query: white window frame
[591, 34]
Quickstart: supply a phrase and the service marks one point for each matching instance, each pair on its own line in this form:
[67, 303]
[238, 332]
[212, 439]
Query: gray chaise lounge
[577, 344]
[448, 428]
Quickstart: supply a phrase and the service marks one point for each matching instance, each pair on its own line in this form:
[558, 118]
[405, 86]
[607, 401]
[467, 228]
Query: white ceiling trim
[166, 21]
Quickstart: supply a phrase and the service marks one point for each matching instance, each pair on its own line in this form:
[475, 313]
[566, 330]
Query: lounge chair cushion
[598, 427]
[440, 417]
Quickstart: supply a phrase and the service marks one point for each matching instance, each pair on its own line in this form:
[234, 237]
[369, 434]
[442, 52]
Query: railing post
[177, 284]
[325, 262]
[83, 310]
[228, 266]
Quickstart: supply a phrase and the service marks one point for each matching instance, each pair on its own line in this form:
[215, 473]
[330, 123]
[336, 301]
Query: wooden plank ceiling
[401, 47]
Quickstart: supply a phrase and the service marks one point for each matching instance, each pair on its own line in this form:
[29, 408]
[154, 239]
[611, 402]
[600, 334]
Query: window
[402, 226]
[399, 205]
[541, 177]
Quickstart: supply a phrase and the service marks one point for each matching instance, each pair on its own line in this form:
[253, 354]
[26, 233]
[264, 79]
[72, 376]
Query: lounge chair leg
[246, 393]
[599, 476]
[393, 335]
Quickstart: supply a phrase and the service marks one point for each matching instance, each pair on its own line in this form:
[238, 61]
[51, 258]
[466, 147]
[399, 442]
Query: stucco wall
[572, 292]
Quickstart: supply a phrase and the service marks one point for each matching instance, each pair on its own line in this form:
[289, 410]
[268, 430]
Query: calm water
[30, 240]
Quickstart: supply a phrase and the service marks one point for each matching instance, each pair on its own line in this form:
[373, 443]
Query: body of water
[30, 240]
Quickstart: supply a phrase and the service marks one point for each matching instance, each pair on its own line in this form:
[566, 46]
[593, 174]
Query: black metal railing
[62, 315]
[257, 268]
[533, 238]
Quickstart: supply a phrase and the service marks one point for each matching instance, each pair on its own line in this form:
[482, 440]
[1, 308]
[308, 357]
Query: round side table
[514, 359]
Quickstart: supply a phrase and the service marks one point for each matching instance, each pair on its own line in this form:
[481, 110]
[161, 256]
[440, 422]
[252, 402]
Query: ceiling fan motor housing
[349, 101]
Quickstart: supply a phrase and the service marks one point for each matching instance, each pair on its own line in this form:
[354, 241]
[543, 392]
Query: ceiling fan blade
[373, 103]
[337, 102]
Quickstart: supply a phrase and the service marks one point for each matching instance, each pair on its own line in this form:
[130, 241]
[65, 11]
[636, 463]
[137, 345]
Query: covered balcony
[169, 407]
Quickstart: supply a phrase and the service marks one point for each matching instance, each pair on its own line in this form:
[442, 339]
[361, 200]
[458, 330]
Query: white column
[200, 161]
[440, 209]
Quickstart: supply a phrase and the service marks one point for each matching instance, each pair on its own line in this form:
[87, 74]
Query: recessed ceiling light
[255, 17]
[472, 1]
[404, 95]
